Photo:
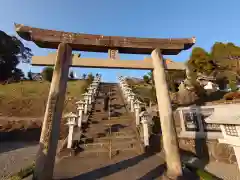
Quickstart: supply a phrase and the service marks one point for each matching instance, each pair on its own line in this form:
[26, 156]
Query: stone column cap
[80, 102]
[71, 118]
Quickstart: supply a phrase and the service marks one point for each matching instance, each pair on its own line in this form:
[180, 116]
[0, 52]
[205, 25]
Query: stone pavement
[224, 171]
[14, 156]
[125, 166]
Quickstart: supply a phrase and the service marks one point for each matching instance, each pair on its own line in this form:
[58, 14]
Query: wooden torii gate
[65, 42]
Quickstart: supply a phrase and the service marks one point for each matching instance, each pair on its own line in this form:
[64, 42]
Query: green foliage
[173, 78]
[204, 175]
[23, 173]
[146, 79]
[12, 51]
[30, 75]
[84, 76]
[17, 74]
[90, 78]
[233, 85]
[223, 62]
[226, 56]
[201, 62]
[47, 73]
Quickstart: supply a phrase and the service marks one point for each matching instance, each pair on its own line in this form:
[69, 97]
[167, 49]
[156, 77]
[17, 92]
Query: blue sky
[208, 20]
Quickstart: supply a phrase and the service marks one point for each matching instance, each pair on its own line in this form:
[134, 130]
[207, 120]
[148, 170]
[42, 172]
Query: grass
[28, 98]
[23, 173]
[204, 175]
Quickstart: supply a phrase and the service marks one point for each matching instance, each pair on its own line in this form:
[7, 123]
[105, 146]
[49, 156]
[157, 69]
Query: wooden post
[170, 143]
[51, 125]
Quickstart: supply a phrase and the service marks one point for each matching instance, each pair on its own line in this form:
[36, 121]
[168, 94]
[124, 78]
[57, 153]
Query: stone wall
[208, 150]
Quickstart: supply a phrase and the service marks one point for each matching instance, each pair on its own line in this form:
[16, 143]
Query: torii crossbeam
[99, 43]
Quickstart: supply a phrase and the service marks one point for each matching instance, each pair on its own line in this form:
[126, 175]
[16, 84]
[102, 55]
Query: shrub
[47, 73]
[23, 173]
[232, 95]
[90, 78]
[146, 79]
[233, 85]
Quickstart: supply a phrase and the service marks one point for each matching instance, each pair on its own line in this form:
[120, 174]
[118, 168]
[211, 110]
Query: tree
[12, 52]
[90, 77]
[151, 77]
[173, 79]
[146, 79]
[201, 61]
[84, 76]
[17, 74]
[71, 75]
[227, 58]
[30, 75]
[47, 73]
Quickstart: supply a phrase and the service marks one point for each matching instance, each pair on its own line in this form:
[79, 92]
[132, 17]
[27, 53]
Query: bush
[232, 95]
[233, 86]
[47, 73]
[146, 79]
[90, 78]
[23, 173]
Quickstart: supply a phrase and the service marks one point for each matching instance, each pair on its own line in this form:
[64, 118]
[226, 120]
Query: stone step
[108, 138]
[114, 153]
[106, 121]
[93, 134]
[99, 128]
[105, 146]
[115, 121]
[98, 115]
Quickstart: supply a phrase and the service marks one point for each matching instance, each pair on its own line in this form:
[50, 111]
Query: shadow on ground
[121, 166]
[13, 145]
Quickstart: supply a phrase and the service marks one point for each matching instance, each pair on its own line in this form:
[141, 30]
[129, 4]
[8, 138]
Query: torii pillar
[169, 136]
[45, 159]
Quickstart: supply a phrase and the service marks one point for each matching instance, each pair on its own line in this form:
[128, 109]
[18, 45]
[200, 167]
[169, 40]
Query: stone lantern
[80, 108]
[91, 94]
[95, 87]
[85, 96]
[132, 97]
[145, 126]
[71, 122]
[230, 126]
[129, 94]
[137, 111]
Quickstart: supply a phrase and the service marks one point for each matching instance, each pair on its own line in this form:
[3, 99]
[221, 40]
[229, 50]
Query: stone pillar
[170, 143]
[51, 124]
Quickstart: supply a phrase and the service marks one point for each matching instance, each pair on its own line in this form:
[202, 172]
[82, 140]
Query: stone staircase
[109, 133]
[105, 141]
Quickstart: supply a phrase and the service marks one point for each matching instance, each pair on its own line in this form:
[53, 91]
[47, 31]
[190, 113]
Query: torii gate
[65, 42]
